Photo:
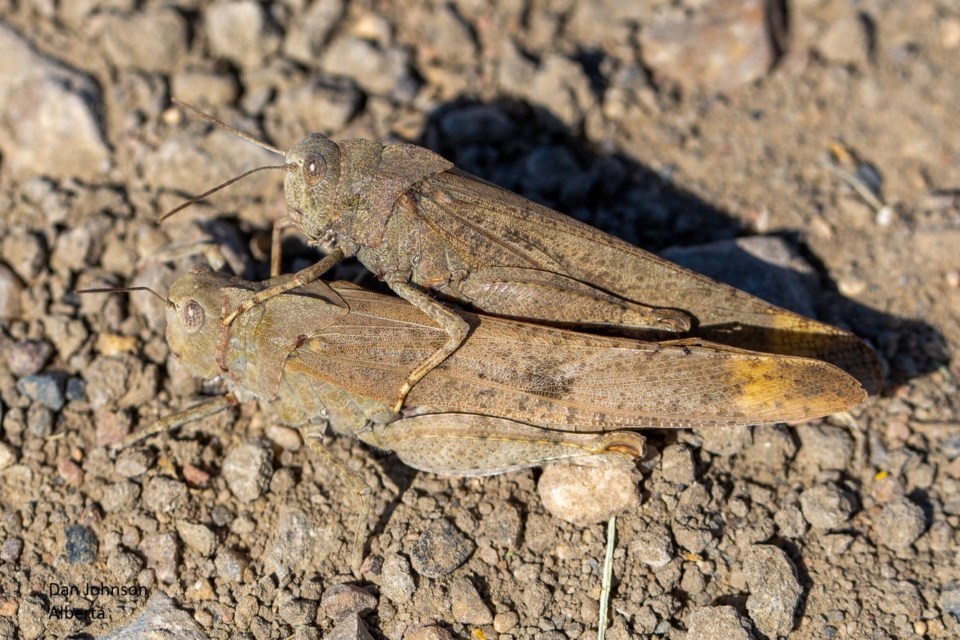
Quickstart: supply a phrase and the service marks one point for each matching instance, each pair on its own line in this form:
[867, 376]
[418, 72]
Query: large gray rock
[726, 44]
[50, 123]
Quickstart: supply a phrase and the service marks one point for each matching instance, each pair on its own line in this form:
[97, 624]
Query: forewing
[573, 381]
[370, 351]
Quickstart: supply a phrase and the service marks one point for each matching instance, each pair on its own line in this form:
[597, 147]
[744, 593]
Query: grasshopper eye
[314, 168]
[192, 316]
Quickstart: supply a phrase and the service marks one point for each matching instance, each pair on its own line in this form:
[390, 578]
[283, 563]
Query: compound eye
[314, 168]
[192, 316]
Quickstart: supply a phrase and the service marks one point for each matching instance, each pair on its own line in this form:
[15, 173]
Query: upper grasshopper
[514, 395]
[427, 228]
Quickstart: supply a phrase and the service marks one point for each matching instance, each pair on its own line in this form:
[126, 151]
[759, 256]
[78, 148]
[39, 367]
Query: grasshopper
[514, 395]
[426, 228]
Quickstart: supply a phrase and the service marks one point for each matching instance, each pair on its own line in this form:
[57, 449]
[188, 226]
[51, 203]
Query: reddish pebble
[194, 476]
[112, 427]
[71, 472]
[8, 607]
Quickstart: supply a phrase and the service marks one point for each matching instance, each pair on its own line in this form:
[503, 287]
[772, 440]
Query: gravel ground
[805, 150]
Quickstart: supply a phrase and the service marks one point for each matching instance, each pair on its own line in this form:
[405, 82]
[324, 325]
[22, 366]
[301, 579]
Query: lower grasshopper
[423, 226]
[515, 395]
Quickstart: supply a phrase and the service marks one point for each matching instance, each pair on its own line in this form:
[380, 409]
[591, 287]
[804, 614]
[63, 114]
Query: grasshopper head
[310, 185]
[193, 319]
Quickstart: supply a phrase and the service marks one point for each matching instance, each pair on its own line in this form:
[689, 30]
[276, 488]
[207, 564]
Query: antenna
[122, 290]
[223, 185]
[241, 134]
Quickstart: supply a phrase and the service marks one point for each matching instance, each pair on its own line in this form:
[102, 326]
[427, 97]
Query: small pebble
[81, 544]
[920, 476]
[240, 31]
[430, 632]
[307, 36]
[584, 495]
[342, 600]
[941, 536]
[375, 70]
[899, 524]
[466, 604]
[160, 551]
[39, 421]
[111, 344]
[8, 609]
[652, 546]
[292, 543]
[886, 487]
[45, 388]
[11, 549]
[826, 506]
[247, 470]
[950, 32]
[25, 252]
[221, 515]
[535, 598]
[774, 590]
[953, 278]
[504, 529]
[153, 39]
[119, 496]
[230, 565]
[194, 476]
[836, 543]
[790, 522]
[950, 600]
[298, 611]
[282, 481]
[200, 591]
[692, 538]
[284, 437]
[164, 495]
[8, 455]
[198, 537]
[10, 290]
[773, 446]
[825, 447]
[677, 465]
[124, 565]
[846, 40]
[76, 389]
[133, 462]
[27, 357]
[440, 549]
[195, 87]
[396, 579]
[350, 627]
[70, 472]
[112, 426]
[725, 441]
[718, 623]
[109, 379]
[505, 621]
